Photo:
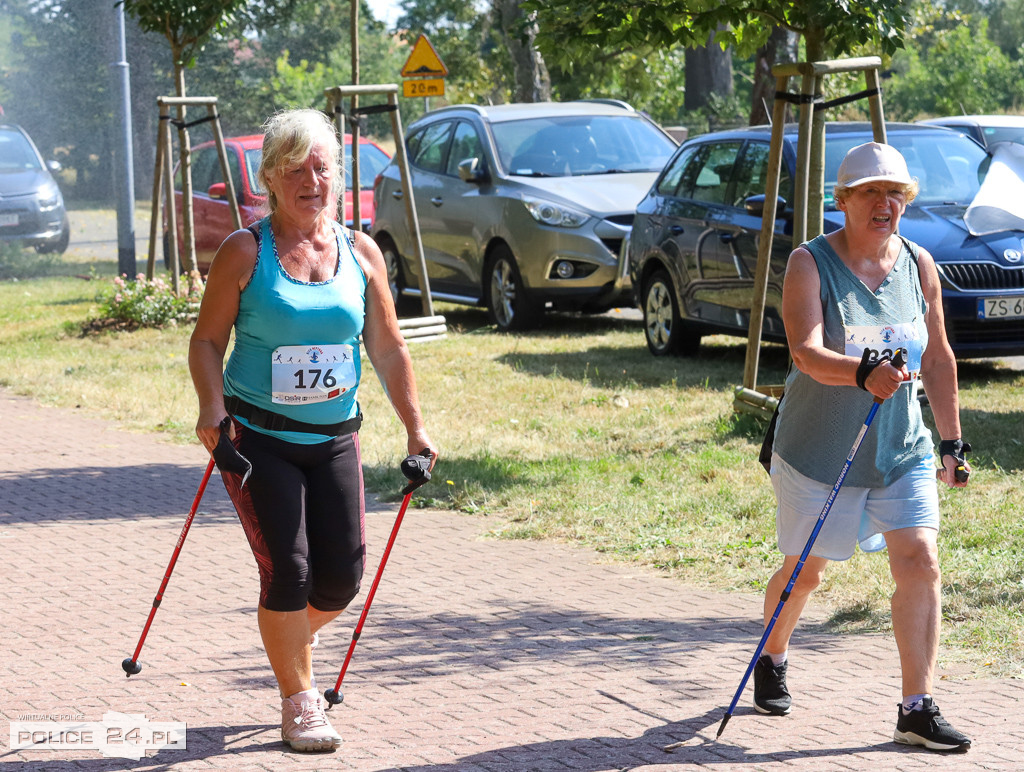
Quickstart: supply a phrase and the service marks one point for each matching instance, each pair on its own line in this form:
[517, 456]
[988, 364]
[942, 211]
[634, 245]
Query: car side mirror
[218, 190]
[472, 170]
[755, 206]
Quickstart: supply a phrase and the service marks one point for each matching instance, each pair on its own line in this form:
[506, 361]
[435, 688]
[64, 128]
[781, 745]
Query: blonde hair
[288, 139]
[840, 192]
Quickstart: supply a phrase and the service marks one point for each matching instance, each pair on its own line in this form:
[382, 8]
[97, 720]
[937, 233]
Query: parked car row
[590, 205]
[31, 205]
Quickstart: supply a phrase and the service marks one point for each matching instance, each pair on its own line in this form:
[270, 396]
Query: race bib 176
[304, 374]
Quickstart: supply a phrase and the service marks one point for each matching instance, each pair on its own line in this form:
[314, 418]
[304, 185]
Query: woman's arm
[804, 320]
[938, 366]
[230, 270]
[387, 348]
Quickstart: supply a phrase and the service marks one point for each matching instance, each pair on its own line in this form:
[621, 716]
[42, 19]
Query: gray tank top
[818, 424]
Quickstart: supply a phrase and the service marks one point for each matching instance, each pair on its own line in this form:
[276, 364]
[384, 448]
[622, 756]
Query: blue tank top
[296, 347]
[818, 424]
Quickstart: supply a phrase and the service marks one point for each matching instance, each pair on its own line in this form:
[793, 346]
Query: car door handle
[437, 201]
[396, 194]
[676, 230]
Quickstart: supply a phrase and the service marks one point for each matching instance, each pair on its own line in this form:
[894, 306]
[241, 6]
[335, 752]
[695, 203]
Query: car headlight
[551, 213]
[49, 197]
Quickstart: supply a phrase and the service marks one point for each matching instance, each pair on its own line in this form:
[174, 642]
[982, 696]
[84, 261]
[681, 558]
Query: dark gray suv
[31, 204]
[521, 207]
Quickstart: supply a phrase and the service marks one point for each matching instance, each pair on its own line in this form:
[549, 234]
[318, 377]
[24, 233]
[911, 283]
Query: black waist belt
[275, 422]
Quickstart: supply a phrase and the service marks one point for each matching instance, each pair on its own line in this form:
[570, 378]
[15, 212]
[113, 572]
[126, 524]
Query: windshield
[372, 161]
[16, 154]
[580, 145]
[949, 168]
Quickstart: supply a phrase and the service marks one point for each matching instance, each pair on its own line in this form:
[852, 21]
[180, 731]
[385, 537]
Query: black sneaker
[770, 693]
[927, 727]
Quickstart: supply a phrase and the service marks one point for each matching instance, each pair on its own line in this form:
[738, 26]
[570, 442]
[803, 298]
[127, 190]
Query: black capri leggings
[303, 512]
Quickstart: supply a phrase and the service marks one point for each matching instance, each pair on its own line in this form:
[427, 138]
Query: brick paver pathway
[477, 655]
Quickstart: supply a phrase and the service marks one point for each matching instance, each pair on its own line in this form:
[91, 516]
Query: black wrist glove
[958, 449]
[868, 362]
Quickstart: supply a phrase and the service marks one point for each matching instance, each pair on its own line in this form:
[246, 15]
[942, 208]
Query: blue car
[693, 248]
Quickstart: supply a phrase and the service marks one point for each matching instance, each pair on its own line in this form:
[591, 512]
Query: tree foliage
[951, 67]
[572, 30]
[186, 24]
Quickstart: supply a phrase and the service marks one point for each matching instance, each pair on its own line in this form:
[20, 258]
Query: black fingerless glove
[958, 449]
[868, 362]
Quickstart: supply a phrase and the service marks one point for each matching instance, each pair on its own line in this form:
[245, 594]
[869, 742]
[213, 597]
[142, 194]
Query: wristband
[867, 364]
[958, 449]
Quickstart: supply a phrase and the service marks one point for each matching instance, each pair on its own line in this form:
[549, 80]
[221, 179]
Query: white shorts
[858, 515]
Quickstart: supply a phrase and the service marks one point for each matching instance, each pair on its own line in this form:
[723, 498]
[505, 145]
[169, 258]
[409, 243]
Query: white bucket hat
[873, 162]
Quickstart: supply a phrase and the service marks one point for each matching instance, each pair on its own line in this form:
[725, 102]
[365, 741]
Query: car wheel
[60, 244]
[404, 306]
[508, 303]
[665, 332]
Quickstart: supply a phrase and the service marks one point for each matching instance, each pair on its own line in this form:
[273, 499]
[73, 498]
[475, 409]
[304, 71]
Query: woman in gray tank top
[850, 300]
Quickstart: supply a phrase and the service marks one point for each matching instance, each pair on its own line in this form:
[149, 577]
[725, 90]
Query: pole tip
[721, 727]
[333, 697]
[130, 667]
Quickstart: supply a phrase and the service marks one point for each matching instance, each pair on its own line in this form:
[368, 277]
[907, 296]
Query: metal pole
[124, 176]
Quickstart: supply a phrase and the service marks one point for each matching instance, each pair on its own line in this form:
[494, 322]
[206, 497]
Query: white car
[984, 129]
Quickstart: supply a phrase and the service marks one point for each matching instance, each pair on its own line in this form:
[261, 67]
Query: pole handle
[898, 360]
[416, 469]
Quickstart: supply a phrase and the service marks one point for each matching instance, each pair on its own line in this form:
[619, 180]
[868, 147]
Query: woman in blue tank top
[851, 299]
[299, 291]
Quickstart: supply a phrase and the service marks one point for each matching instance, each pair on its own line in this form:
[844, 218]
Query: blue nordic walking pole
[898, 361]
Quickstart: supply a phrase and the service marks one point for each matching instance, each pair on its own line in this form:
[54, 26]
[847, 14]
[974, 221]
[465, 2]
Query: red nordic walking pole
[131, 665]
[417, 471]
[898, 361]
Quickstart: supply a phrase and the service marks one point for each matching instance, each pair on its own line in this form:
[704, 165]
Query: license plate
[1001, 308]
[8, 219]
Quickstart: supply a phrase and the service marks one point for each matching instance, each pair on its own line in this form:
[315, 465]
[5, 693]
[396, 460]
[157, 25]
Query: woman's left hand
[948, 472]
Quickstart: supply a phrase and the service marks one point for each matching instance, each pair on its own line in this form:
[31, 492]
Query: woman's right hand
[208, 427]
[884, 380]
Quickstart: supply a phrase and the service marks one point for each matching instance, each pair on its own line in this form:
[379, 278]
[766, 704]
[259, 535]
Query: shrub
[139, 302]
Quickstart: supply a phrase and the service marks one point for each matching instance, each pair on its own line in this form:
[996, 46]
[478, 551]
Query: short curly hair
[840, 192]
[288, 139]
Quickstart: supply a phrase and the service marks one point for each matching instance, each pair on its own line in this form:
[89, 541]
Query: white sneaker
[304, 725]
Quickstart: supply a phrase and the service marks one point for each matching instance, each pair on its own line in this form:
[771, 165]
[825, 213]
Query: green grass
[577, 433]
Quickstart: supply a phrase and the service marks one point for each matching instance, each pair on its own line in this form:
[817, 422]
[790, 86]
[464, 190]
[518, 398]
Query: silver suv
[521, 207]
[31, 205]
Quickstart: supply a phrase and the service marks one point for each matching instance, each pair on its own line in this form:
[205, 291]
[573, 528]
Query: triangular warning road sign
[423, 61]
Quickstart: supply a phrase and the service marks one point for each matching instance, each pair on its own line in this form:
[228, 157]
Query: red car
[210, 207]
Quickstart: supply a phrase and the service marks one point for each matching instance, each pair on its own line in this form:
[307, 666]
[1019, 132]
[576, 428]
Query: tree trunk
[780, 47]
[185, 156]
[814, 37]
[519, 31]
[708, 71]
